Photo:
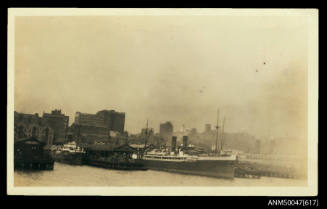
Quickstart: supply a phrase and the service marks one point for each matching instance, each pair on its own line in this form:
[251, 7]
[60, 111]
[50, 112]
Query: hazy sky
[176, 68]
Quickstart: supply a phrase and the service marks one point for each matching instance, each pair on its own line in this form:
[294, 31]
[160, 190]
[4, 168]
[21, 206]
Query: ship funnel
[185, 139]
[173, 143]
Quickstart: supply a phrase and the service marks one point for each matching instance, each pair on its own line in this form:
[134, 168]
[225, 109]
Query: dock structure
[29, 154]
[255, 170]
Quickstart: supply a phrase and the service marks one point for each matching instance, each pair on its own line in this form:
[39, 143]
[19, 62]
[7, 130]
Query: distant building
[272, 146]
[166, 131]
[85, 119]
[207, 128]
[193, 131]
[109, 119]
[147, 132]
[257, 147]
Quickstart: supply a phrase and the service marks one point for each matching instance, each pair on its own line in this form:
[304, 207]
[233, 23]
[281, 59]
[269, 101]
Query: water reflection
[68, 175]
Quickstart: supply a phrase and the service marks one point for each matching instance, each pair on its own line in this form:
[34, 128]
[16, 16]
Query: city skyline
[180, 129]
[72, 121]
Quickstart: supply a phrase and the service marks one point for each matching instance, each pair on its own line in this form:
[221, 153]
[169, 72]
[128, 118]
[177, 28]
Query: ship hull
[209, 168]
[136, 165]
[70, 158]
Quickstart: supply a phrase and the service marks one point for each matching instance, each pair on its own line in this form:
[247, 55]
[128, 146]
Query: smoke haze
[168, 68]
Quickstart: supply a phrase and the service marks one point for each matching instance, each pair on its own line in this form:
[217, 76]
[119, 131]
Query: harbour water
[69, 175]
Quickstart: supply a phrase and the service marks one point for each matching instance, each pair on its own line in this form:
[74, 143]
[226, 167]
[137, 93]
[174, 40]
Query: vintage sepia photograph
[162, 101]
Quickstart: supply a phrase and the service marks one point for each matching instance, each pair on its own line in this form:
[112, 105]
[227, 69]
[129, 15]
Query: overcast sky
[160, 68]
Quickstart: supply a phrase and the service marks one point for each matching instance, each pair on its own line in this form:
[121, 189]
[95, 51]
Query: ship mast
[146, 135]
[222, 135]
[146, 139]
[217, 127]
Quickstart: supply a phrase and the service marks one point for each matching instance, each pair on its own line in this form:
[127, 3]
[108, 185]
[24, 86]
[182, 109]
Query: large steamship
[219, 164]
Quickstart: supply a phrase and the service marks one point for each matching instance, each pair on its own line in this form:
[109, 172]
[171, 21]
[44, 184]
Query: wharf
[256, 170]
[113, 157]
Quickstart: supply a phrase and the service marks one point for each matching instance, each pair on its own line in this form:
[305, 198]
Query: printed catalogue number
[287, 202]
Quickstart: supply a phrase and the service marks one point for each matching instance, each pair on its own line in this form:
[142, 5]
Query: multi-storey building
[109, 119]
[59, 123]
[99, 127]
[115, 121]
[31, 125]
[166, 131]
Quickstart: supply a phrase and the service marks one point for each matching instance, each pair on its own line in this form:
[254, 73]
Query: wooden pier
[257, 171]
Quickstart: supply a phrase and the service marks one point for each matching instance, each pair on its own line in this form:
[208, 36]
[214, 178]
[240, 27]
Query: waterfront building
[31, 125]
[51, 128]
[89, 134]
[29, 153]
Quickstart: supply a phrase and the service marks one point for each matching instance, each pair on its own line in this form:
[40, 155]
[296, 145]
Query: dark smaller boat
[70, 154]
[121, 157]
[29, 154]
